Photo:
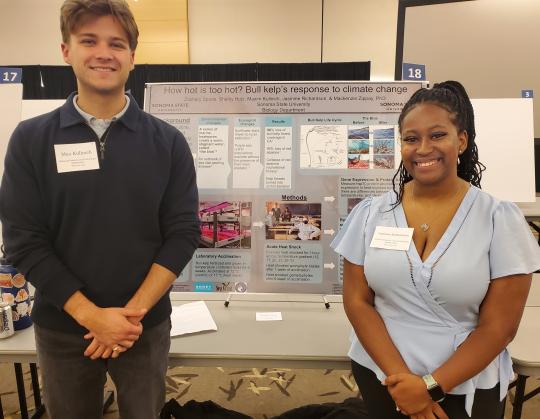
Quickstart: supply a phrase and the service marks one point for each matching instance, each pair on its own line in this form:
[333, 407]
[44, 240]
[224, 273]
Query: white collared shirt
[99, 125]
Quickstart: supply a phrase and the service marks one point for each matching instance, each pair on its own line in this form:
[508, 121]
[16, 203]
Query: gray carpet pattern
[259, 393]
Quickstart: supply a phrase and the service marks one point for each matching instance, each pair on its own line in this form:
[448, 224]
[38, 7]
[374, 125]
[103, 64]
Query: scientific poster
[279, 167]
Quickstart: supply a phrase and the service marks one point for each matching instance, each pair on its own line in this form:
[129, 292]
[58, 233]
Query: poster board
[505, 139]
[279, 166]
[10, 111]
[35, 107]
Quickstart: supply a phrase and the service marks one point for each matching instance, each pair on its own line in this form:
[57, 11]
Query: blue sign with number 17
[413, 72]
[10, 75]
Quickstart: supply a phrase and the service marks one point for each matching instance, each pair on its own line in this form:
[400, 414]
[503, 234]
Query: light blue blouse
[428, 318]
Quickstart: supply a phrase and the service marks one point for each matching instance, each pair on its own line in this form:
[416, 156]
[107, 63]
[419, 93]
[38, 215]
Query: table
[525, 348]
[309, 336]
[531, 211]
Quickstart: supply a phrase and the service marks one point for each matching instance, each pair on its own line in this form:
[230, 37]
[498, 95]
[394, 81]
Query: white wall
[491, 46]
[362, 30]
[247, 31]
[233, 31]
[30, 32]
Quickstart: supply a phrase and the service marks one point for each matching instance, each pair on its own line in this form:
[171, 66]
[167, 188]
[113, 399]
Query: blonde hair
[75, 13]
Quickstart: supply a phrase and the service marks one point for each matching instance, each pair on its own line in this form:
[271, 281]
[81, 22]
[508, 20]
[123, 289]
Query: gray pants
[73, 384]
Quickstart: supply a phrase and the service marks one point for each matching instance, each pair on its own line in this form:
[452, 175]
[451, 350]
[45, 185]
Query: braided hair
[451, 96]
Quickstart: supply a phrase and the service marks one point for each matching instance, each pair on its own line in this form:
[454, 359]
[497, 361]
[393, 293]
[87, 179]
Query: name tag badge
[76, 157]
[392, 238]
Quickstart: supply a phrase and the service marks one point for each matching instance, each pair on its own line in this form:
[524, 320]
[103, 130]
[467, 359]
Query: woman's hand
[409, 392]
[432, 411]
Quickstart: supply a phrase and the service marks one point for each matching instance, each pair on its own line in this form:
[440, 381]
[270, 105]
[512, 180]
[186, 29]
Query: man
[99, 210]
[306, 230]
[276, 212]
[287, 215]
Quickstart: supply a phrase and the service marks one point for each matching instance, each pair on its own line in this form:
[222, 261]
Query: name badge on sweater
[392, 238]
[76, 157]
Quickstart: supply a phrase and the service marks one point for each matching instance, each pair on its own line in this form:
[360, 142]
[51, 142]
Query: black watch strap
[434, 389]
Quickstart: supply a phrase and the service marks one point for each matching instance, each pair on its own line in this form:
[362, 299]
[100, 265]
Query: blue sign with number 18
[413, 72]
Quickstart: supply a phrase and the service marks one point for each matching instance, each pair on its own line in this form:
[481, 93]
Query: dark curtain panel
[136, 81]
[225, 72]
[47, 81]
[315, 71]
[59, 81]
[537, 164]
[31, 80]
[187, 73]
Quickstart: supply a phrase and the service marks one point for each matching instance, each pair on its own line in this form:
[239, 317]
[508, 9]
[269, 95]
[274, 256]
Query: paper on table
[267, 316]
[191, 318]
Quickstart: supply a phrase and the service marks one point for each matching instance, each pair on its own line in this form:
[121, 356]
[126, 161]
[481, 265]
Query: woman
[432, 322]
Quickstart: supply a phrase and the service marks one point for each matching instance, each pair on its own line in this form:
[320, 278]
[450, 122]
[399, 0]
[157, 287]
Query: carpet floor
[259, 393]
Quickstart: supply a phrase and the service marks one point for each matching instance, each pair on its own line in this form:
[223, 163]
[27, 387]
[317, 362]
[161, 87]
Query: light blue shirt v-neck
[428, 318]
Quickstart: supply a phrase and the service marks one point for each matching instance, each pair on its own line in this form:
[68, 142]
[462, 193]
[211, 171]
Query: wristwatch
[434, 389]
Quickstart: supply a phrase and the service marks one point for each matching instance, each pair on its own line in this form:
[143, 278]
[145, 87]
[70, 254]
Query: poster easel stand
[323, 298]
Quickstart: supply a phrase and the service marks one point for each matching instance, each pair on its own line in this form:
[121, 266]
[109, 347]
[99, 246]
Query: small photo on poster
[358, 154]
[358, 133]
[384, 133]
[225, 224]
[293, 221]
[386, 146]
[383, 161]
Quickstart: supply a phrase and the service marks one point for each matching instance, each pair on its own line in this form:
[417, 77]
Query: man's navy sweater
[97, 231]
